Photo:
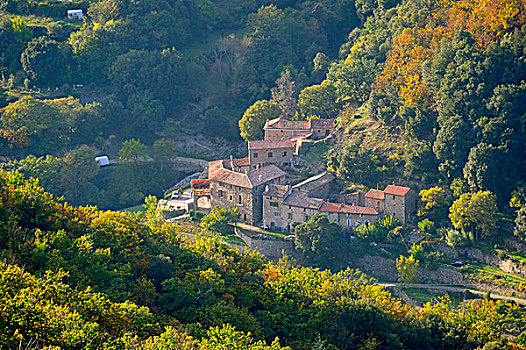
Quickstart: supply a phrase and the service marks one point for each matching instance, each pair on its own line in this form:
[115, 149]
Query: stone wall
[384, 270]
[272, 248]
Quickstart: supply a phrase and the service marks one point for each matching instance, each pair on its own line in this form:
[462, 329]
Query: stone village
[259, 185]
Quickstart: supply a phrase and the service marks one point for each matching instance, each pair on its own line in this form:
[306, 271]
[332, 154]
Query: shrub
[456, 238]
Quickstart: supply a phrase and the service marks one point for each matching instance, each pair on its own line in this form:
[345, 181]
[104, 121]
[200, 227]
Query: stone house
[241, 187]
[318, 186]
[280, 128]
[349, 216]
[265, 152]
[284, 207]
[375, 199]
[400, 202]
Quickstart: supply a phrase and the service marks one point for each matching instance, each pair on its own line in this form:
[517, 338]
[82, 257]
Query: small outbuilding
[102, 160]
[75, 14]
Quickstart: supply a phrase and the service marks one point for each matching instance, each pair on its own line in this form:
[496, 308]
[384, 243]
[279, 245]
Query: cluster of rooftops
[263, 175]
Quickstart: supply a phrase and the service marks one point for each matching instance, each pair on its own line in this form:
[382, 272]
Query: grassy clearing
[232, 239]
[317, 154]
[422, 296]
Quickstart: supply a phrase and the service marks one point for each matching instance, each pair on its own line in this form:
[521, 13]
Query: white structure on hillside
[75, 14]
[102, 160]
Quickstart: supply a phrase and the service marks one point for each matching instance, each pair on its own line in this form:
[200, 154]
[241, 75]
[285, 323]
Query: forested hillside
[76, 277]
[449, 76]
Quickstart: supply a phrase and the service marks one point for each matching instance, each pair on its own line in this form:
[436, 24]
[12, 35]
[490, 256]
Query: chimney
[260, 178]
[232, 162]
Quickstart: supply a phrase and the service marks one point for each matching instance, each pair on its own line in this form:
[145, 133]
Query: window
[274, 204]
[239, 199]
[307, 218]
[255, 199]
[289, 216]
[361, 215]
[221, 193]
[256, 154]
[349, 222]
[393, 196]
[290, 207]
[304, 209]
[284, 153]
[270, 154]
[231, 197]
[277, 214]
[244, 217]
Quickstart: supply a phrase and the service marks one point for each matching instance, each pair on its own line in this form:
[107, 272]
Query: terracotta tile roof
[396, 190]
[217, 172]
[231, 177]
[375, 194]
[322, 123]
[269, 144]
[239, 161]
[276, 190]
[226, 163]
[265, 174]
[280, 123]
[300, 199]
[315, 181]
[213, 167]
[344, 208]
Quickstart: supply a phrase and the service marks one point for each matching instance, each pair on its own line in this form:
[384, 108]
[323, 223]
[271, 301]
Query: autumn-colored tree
[407, 268]
[403, 69]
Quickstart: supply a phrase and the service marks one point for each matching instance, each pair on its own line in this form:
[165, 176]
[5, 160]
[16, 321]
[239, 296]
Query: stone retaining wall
[273, 249]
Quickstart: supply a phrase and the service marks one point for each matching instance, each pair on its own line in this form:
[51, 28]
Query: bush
[456, 238]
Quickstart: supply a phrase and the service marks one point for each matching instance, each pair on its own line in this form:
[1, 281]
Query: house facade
[400, 202]
[280, 129]
[265, 152]
[241, 187]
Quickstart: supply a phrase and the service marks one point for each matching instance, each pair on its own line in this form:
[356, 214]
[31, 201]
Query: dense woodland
[430, 93]
[77, 277]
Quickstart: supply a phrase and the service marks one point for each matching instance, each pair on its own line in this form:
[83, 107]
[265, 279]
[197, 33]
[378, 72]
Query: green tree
[284, 94]
[132, 150]
[28, 121]
[483, 170]
[520, 224]
[318, 100]
[254, 118]
[434, 204]
[407, 269]
[475, 212]
[47, 62]
[353, 163]
[427, 227]
[219, 219]
[163, 152]
[147, 113]
[318, 239]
